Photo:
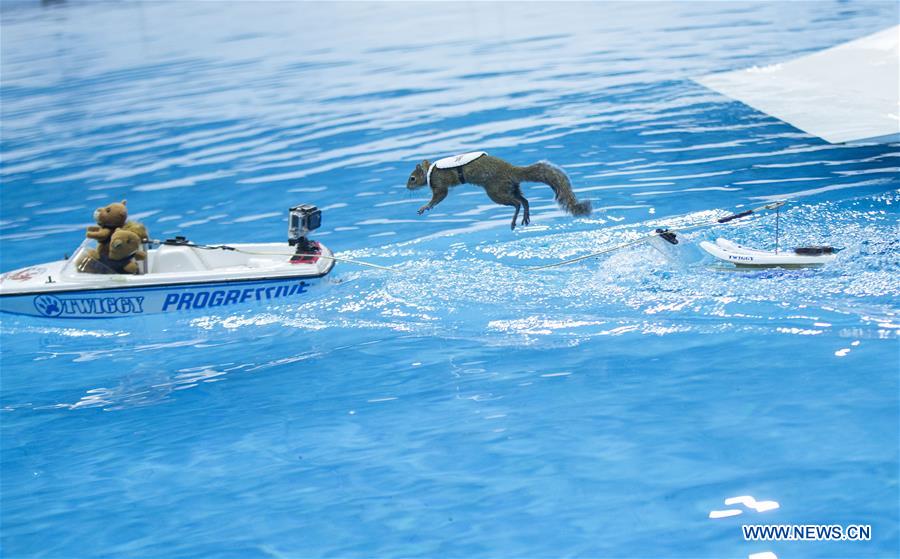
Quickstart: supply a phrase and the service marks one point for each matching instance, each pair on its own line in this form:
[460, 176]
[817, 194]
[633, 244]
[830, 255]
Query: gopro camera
[301, 220]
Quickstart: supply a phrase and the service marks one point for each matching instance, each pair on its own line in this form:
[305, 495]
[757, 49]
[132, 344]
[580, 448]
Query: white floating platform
[845, 94]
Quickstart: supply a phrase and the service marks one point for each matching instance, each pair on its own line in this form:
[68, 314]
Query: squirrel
[498, 178]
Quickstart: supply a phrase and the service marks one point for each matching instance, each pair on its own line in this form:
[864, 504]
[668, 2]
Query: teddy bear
[124, 248]
[108, 219]
[137, 228]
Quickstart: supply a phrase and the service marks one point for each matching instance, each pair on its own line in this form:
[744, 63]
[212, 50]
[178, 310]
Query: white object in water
[178, 278]
[739, 255]
[453, 162]
[845, 94]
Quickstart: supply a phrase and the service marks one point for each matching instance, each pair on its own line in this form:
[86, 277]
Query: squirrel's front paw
[423, 209]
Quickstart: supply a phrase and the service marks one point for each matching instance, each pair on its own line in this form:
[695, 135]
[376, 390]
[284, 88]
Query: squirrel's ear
[425, 164]
[124, 202]
[419, 168]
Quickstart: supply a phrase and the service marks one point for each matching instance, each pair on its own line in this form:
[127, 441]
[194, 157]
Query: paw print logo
[48, 305]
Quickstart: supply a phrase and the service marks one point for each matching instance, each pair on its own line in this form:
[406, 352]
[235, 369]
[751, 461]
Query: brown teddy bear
[138, 229]
[124, 248]
[108, 219]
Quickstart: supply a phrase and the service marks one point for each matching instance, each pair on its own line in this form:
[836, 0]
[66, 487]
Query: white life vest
[453, 162]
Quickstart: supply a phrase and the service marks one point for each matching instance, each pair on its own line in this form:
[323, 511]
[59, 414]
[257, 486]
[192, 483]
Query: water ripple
[465, 406]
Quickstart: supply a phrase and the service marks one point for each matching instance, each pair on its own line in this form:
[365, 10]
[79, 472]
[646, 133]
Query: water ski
[742, 256]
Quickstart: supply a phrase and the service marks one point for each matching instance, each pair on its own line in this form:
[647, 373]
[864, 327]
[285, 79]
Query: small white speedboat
[742, 256]
[177, 276]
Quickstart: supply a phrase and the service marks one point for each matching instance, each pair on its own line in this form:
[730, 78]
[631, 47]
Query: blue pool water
[463, 406]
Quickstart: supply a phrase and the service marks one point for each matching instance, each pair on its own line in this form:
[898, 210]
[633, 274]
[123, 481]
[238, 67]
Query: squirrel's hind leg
[526, 217]
[515, 217]
[505, 197]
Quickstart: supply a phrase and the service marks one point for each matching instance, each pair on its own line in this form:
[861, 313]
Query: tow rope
[665, 233]
[181, 241]
[669, 235]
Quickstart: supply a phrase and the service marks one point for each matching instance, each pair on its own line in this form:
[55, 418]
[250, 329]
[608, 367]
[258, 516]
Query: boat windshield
[85, 260]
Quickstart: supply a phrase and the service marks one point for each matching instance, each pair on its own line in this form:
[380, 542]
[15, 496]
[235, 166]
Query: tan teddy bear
[138, 229]
[124, 248]
[108, 219]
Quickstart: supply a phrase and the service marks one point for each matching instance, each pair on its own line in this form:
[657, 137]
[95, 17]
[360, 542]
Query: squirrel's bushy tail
[556, 178]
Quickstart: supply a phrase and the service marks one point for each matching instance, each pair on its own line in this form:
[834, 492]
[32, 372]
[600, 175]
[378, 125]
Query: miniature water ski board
[739, 255]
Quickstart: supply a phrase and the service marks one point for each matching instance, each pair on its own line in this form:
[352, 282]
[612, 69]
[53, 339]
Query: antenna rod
[777, 232]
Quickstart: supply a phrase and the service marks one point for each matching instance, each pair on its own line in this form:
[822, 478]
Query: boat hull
[161, 299]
